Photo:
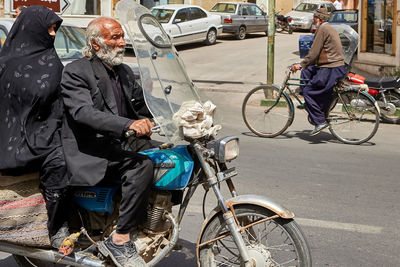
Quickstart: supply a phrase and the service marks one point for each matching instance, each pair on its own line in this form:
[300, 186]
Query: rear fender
[256, 200]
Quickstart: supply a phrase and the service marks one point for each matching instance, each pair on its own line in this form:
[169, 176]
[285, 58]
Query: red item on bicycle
[355, 78]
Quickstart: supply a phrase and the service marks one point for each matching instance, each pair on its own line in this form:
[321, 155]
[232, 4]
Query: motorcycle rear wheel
[275, 242]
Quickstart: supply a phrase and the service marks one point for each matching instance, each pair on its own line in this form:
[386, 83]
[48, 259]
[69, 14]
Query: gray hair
[93, 33]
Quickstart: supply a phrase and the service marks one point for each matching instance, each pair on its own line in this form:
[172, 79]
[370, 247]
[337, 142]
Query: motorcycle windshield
[166, 85]
[349, 38]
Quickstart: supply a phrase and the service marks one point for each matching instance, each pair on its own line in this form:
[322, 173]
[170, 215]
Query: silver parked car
[302, 15]
[68, 43]
[241, 18]
[188, 24]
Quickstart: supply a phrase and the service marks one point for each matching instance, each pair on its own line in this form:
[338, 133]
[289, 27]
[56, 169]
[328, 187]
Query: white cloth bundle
[196, 119]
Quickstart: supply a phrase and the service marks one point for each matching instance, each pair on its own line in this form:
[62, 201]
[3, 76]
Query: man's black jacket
[92, 128]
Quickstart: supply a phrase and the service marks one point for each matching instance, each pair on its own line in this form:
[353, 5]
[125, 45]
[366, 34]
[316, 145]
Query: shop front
[380, 32]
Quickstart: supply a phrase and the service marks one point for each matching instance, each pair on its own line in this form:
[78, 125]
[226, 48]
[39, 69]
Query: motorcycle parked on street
[242, 230]
[282, 23]
[386, 91]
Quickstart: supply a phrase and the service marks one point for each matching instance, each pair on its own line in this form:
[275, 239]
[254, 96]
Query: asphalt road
[344, 197]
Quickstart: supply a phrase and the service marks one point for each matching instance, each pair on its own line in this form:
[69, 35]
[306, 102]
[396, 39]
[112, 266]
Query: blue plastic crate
[305, 43]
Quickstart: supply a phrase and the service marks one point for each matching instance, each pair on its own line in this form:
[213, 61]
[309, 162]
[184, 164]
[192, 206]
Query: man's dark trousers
[135, 172]
[318, 90]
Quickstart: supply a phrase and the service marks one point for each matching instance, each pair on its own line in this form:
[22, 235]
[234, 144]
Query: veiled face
[52, 30]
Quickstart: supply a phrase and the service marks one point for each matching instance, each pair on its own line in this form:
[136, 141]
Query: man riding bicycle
[322, 68]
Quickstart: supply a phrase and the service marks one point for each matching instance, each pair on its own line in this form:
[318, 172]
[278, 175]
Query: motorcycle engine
[159, 203]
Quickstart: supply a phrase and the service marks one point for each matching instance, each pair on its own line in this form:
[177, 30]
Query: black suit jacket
[92, 128]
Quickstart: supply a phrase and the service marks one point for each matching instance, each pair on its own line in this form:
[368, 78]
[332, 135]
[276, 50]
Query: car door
[261, 20]
[247, 18]
[180, 26]
[200, 23]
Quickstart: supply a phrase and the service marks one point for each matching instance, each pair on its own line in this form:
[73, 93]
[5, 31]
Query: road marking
[359, 228]
[351, 227]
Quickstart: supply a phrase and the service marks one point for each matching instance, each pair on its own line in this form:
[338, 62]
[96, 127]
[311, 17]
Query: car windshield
[162, 15]
[224, 7]
[306, 7]
[344, 17]
[69, 42]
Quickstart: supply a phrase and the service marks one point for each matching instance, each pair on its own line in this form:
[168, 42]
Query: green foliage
[394, 72]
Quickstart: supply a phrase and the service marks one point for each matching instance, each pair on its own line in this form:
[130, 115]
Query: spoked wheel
[355, 119]
[265, 114]
[275, 242]
[391, 111]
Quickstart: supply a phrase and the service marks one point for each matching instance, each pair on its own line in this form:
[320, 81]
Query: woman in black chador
[31, 110]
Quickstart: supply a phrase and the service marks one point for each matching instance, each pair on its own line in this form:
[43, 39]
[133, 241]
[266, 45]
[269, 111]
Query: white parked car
[188, 24]
[302, 15]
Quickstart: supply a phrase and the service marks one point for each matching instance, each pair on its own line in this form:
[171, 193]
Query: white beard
[110, 56]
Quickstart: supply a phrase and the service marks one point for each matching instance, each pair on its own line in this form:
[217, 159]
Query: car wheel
[241, 34]
[211, 37]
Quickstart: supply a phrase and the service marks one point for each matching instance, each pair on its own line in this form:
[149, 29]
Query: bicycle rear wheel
[355, 119]
[265, 114]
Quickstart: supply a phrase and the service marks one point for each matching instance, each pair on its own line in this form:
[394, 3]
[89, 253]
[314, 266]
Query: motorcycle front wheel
[275, 242]
[391, 111]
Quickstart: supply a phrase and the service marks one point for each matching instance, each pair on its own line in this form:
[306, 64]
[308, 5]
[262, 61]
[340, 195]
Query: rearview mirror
[177, 21]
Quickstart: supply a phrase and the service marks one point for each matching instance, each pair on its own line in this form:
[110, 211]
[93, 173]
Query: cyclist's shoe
[318, 128]
[125, 255]
[301, 106]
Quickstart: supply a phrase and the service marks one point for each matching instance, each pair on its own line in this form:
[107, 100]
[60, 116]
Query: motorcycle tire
[278, 28]
[23, 261]
[257, 238]
[290, 31]
[393, 98]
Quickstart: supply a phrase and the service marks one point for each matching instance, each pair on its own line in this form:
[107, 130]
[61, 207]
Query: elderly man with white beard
[100, 95]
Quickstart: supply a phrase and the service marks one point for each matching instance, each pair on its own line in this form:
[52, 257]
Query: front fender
[370, 97]
[256, 200]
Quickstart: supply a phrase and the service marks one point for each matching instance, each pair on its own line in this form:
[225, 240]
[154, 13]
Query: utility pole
[271, 42]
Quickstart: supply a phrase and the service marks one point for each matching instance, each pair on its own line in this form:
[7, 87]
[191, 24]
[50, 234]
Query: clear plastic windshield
[165, 83]
[349, 38]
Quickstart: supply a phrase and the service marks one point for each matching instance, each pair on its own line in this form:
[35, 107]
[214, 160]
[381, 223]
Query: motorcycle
[282, 23]
[386, 91]
[242, 230]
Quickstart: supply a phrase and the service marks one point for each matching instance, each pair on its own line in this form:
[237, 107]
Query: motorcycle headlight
[225, 149]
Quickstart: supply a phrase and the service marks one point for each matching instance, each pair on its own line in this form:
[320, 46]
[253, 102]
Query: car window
[162, 15]
[224, 7]
[306, 7]
[197, 13]
[344, 17]
[244, 10]
[69, 42]
[182, 15]
[255, 10]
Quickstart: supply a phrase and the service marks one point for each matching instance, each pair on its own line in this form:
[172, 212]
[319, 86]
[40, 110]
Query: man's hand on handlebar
[295, 67]
[142, 127]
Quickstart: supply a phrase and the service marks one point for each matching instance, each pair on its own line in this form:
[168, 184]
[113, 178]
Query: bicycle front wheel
[355, 118]
[265, 113]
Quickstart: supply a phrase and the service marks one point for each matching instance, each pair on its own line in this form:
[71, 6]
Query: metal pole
[271, 42]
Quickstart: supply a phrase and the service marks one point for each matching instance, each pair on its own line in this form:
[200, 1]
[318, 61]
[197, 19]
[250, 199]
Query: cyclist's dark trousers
[318, 90]
[53, 185]
[135, 172]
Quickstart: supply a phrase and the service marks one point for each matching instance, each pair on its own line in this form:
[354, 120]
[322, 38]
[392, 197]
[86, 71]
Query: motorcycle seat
[383, 83]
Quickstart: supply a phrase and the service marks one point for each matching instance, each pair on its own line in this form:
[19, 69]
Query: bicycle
[353, 117]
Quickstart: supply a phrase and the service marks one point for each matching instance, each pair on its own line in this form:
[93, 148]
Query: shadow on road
[184, 257]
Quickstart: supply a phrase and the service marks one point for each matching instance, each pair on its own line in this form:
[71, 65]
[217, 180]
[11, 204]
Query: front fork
[228, 215]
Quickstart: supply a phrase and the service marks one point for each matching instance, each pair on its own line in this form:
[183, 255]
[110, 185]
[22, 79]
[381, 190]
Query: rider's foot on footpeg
[125, 255]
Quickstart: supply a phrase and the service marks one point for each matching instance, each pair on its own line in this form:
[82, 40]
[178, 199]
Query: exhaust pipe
[74, 259]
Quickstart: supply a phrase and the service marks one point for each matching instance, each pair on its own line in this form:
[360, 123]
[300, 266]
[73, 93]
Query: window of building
[380, 26]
